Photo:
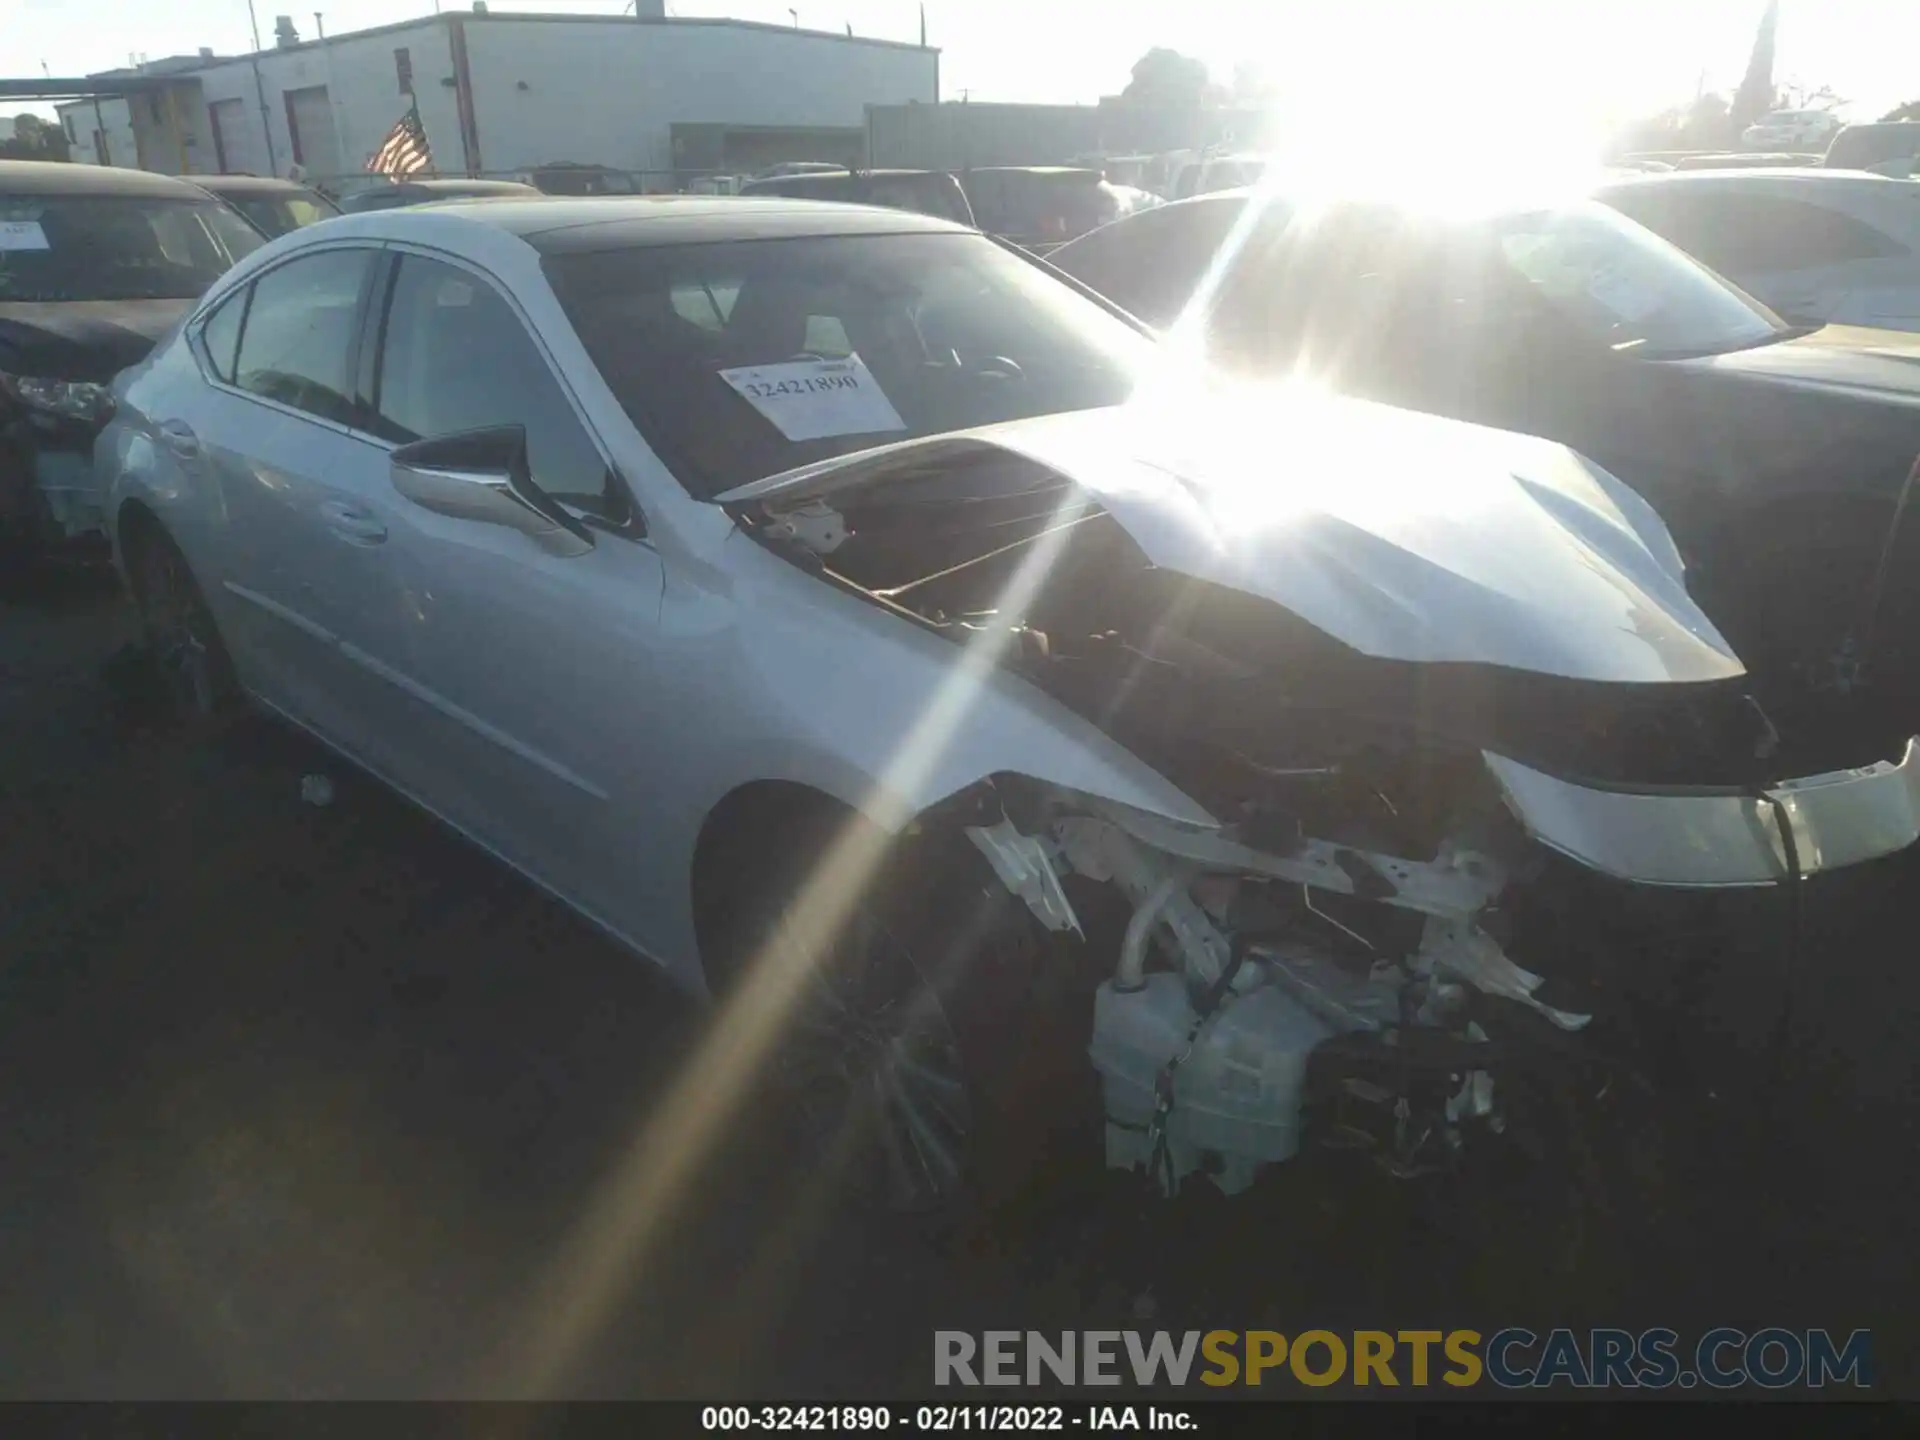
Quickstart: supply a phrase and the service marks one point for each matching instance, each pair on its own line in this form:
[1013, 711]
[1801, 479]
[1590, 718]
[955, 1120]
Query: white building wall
[364, 91]
[607, 92]
[114, 117]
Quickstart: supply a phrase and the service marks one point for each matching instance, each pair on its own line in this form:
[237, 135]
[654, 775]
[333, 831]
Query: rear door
[304, 493]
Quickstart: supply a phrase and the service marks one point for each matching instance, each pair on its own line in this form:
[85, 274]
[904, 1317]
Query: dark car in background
[1780, 455]
[567, 177]
[1891, 147]
[425, 192]
[96, 264]
[1040, 206]
[274, 206]
[924, 192]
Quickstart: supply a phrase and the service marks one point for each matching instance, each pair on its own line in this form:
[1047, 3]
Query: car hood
[1402, 535]
[83, 339]
[1872, 364]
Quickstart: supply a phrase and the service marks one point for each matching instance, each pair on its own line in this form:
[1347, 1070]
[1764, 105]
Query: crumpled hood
[1402, 535]
[83, 339]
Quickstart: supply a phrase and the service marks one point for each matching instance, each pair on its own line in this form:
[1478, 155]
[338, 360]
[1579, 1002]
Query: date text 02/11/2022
[941, 1419]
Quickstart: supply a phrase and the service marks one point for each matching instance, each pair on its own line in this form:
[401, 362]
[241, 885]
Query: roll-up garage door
[315, 145]
[237, 138]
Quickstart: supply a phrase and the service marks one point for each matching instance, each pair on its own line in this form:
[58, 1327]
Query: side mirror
[482, 475]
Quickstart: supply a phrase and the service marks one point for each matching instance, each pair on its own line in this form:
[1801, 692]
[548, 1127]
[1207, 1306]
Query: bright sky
[1456, 74]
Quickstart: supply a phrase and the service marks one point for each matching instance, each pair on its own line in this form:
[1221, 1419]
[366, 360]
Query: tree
[34, 139]
[1908, 111]
[1755, 96]
[1166, 79]
[1252, 85]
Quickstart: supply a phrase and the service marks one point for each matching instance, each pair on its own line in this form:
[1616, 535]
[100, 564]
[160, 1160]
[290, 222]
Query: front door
[530, 675]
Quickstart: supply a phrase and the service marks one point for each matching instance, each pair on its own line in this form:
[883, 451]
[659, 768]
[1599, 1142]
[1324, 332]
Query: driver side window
[455, 356]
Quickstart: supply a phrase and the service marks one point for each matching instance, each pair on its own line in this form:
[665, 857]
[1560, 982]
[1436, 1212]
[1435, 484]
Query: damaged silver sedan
[868, 628]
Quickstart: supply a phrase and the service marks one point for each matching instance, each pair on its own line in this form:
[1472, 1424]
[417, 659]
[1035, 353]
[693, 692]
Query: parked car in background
[1745, 160]
[1220, 172]
[1127, 171]
[1779, 454]
[565, 177]
[425, 192]
[273, 206]
[923, 192]
[1040, 206]
[1797, 130]
[838, 610]
[800, 167]
[1888, 148]
[1815, 245]
[96, 264]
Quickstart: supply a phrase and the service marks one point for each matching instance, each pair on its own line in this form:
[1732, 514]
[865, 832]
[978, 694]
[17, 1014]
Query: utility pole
[260, 89]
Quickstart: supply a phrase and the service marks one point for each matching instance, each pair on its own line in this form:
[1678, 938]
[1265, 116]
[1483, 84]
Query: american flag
[405, 150]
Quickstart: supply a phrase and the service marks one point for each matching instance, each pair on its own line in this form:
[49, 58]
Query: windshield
[1626, 287]
[111, 247]
[742, 360]
[276, 215]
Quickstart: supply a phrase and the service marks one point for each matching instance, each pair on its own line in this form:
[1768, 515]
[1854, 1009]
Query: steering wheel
[998, 365]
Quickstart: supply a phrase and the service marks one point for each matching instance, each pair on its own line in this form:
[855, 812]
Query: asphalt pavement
[309, 1101]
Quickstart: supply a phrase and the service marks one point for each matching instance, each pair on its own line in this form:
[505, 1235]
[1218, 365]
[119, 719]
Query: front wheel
[903, 1066]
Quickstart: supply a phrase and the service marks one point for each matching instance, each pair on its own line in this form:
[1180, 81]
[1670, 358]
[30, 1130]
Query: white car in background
[1834, 246]
[1791, 130]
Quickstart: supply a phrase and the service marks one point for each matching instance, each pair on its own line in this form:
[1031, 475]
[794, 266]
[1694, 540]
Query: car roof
[566, 224]
[1035, 170]
[247, 184]
[54, 177]
[1745, 178]
[455, 185]
[837, 173]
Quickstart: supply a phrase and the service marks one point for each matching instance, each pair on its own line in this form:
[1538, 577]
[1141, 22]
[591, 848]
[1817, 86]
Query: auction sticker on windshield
[817, 399]
[22, 235]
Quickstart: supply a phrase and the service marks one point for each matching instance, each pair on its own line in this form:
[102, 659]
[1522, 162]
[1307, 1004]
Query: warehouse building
[499, 92]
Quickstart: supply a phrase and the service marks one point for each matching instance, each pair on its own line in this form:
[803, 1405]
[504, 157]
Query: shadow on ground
[300, 1101]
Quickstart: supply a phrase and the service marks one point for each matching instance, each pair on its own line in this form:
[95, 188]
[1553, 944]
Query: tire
[911, 1071]
[192, 676]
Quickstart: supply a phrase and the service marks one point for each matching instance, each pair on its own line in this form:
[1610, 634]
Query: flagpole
[260, 89]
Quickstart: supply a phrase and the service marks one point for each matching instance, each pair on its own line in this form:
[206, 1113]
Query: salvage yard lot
[302, 1101]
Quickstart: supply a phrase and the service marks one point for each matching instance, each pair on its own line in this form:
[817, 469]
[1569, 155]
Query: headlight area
[1249, 986]
[43, 399]
[47, 430]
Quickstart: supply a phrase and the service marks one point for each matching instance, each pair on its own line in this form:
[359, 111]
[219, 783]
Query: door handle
[179, 438]
[350, 522]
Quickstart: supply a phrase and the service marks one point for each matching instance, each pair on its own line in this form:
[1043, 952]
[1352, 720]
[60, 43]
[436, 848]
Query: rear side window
[297, 342]
[455, 356]
[1756, 234]
[220, 333]
[1150, 263]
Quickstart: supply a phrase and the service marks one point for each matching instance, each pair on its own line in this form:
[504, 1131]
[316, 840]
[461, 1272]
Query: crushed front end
[1434, 752]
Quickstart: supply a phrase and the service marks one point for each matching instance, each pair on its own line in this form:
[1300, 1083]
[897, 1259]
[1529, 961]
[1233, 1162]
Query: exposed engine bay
[1337, 948]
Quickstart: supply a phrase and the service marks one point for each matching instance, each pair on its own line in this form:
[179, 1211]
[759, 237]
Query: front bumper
[1717, 838]
[47, 488]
